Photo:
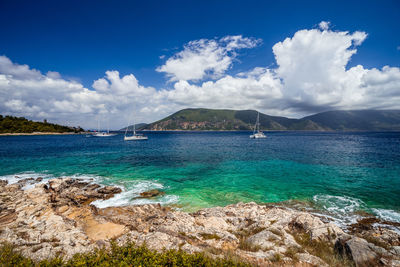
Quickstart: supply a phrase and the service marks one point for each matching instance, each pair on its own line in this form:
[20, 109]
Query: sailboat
[257, 134]
[103, 134]
[135, 136]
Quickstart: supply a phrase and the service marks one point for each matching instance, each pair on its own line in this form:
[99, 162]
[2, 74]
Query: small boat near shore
[258, 134]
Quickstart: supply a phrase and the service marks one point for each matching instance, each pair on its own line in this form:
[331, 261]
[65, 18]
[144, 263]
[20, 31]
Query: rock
[151, 193]
[317, 229]
[57, 217]
[358, 250]
[264, 239]
[109, 190]
[394, 263]
[212, 222]
[395, 250]
[3, 182]
[63, 209]
[310, 259]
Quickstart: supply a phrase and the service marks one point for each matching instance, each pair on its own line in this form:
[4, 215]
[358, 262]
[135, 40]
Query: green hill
[10, 124]
[130, 127]
[225, 119]
[358, 120]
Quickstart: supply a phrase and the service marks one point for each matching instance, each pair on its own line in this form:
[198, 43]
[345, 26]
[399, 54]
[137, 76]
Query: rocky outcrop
[56, 218]
[151, 193]
[359, 250]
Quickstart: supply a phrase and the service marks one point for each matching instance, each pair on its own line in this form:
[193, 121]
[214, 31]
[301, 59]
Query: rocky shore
[56, 219]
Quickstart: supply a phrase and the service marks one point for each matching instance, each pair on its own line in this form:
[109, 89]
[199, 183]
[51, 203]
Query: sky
[80, 62]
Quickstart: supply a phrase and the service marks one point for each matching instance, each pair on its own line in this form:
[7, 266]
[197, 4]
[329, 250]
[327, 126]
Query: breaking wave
[345, 210]
[131, 189]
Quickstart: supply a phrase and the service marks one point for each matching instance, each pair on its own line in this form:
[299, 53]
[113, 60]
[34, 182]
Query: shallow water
[340, 173]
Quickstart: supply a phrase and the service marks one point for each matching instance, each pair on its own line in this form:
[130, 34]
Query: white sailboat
[135, 136]
[257, 134]
[103, 134]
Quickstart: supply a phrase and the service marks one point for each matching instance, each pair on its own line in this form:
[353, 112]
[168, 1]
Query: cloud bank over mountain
[311, 75]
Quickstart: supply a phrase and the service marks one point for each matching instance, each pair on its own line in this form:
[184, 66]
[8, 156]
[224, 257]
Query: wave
[388, 215]
[129, 196]
[131, 189]
[15, 178]
[339, 204]
[345, 210]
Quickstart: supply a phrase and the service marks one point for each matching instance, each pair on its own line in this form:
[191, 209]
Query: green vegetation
[224, 119]
[128, 255]
[321, 249]
[210, 236]
[9, 124]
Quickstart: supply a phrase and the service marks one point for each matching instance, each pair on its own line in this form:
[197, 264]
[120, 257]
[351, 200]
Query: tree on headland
[11, 124]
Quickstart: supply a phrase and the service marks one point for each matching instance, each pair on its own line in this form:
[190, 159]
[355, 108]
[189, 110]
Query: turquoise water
[339, 172]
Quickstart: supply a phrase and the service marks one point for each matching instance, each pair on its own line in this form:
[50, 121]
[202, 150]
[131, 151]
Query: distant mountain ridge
[197, 119]
[130, 127]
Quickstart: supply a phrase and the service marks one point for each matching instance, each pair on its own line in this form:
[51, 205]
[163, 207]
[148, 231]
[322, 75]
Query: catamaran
[257, 134]
[135, 136]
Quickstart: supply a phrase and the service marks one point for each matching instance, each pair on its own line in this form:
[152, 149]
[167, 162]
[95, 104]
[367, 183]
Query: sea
[339, 174]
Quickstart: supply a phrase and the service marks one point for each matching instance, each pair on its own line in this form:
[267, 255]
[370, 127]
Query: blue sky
[81, 40]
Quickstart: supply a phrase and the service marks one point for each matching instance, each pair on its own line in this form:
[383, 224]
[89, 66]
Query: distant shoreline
[40, 133]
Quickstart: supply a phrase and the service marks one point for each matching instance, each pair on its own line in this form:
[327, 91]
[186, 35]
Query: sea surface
[340, 174]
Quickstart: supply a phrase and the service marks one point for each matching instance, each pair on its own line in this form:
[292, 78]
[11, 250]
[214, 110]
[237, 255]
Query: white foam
[129, 196]
[15, 178]
[130, 188]
[339, 204]
[387, 215]
[343, 210]
[340, 209]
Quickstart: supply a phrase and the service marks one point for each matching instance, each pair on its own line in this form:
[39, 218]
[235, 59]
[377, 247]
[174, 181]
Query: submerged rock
[151, 193]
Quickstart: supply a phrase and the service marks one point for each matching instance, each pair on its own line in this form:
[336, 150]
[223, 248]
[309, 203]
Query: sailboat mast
[108, 126]
[258, 122]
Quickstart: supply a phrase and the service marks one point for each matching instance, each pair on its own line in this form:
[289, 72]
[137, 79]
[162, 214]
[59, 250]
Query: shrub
[127, 255]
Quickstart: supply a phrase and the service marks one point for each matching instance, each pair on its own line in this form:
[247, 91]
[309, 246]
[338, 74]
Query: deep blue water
[340, 172]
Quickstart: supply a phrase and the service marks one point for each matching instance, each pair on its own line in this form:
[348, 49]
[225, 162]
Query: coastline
[44, 218]
[41, 133]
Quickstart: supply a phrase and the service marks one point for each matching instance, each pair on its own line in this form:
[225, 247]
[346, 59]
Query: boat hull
[103, 135]
[135, 138]
[258, 136]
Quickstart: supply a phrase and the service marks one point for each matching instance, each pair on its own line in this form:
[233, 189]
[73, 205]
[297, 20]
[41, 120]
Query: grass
[245, 245]
[276, 258]
[276, 232]
[377, 242]
[323, 250]
[210, 236]
[243, 234]
[292, 251]
[127, 255]
[248, 232]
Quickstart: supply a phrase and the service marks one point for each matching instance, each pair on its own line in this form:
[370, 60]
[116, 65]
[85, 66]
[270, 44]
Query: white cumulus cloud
[312, 75]
[204, 57]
